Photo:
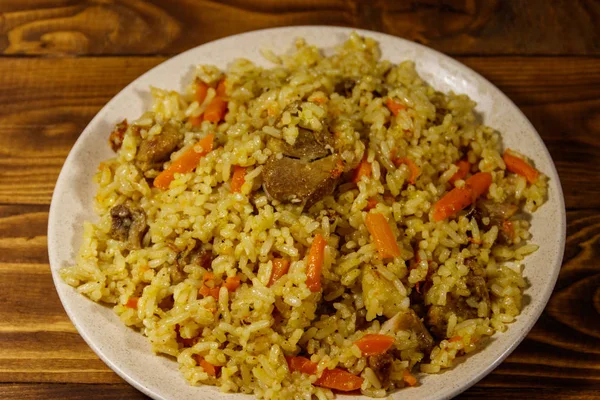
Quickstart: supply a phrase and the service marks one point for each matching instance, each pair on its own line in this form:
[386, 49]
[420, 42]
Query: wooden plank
[41, 118]
[39, 343]
[171, 26]
[46, 391]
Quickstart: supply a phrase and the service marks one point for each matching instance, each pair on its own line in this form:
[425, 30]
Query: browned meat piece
[409, 320]
[382, 366]
[198, 255]
[345, 87]
[128, 225]
[291, 180]
[116, 136]
[361, 319]
[309, 146]
[497, 213]
[153, 152]
[437, 316]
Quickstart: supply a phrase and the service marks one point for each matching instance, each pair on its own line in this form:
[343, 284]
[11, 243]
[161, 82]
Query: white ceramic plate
[129, 354]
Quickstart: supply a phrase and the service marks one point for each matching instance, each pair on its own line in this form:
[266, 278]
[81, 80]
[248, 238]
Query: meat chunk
[309, 146]
[153, 152]
[345, 87]
[409, 320]
[382, 366]
[128, 225]
[116, 136]
[199, 255]
[497, 213]
[291, 180]
[437, 316]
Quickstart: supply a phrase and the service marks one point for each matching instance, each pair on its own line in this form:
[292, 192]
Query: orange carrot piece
[196, 121]
[209, 291]
[232, 283]
[408, 378]
[132, 302]
[374, 344]
[414, 169]
[215, 110]
[301, 364]
[238, 179]
[519, 166]
[479, 183]
[394, 106]
[459, 198]
[222, 88]
[371, 203]
[463, 169]
[508, 228]
[382, 235]
[455, 339]
[186, 162]
[339, 379]
[280, 268]
[314, 263]
[210, 369]
[363, 169]
[207, 277]
[201, 91]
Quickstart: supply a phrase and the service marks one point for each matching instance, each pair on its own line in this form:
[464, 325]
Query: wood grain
[171, 26]
[124, 391]
[543, 55]
[41, 118]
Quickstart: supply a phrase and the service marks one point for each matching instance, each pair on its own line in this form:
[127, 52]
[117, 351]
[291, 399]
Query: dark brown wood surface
[62, 60]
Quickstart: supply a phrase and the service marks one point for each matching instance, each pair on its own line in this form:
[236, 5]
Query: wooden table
[62, 60]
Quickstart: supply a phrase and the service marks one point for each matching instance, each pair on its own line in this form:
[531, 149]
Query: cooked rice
[249, 332]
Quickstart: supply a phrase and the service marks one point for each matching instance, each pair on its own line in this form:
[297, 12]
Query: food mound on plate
[330, 224]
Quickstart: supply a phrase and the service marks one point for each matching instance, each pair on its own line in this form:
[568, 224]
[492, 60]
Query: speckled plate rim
[159, 378]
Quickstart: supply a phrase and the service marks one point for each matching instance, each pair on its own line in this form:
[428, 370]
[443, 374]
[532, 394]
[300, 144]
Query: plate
[128, 353]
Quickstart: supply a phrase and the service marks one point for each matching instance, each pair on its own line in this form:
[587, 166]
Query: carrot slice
[196, 121]
[280, 268]
[222, 88]
[238, 179]
[374, 344]
[394, 106]
[519, 166]
[408, 378]
[371, 204]
[455, 339]
[463, 169]
[209, 289]
[414, 169]
[232, 283]
[132, 302]
[337, 379]
[301, 364]
[459, 198]
[215, 110]
[479, 183]
[186, 162]
[382, 235]
[363, 169]
[201, 91]
[210, 369]
[314, 264]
